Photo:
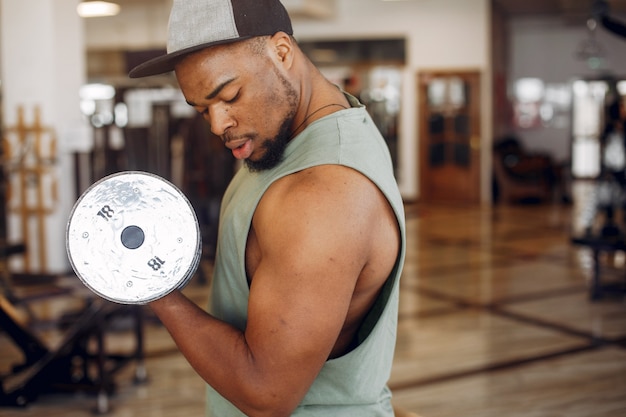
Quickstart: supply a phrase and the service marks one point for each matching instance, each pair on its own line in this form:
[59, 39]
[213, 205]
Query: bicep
[301, 292]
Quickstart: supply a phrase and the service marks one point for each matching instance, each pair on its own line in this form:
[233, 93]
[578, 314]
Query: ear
[284, 48]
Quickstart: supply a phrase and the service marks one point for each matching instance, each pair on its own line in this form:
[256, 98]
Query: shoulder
[324, 187]
[329, 203]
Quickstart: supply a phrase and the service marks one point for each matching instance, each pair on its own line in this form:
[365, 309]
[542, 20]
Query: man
[311, 242]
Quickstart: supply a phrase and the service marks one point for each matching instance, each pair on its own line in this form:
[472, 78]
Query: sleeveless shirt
[353, 385]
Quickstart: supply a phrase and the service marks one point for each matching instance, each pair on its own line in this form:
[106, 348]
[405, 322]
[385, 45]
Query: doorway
[450, 136]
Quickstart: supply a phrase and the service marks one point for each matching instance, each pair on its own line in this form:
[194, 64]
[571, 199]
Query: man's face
[245, 98]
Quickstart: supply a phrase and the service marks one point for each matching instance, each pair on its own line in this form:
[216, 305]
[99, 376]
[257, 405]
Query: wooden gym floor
[495, 321]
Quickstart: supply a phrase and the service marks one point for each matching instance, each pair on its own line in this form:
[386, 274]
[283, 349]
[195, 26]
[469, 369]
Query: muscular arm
[312, 234]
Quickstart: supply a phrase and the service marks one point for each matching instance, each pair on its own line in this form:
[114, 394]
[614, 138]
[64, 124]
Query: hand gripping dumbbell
[133, 237]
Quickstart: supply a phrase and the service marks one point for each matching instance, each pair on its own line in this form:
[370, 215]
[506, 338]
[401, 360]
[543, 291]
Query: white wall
[545, 48]
[136, 27]
[440, 34]
[42, 67]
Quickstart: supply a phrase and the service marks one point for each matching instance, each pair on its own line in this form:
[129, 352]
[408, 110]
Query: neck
[318, 98]
[318, 113]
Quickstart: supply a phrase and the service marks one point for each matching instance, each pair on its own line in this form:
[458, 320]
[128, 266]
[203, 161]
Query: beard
[275, 147]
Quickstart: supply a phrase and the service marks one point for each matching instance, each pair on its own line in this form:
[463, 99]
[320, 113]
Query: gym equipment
[133, 237]
[78, 363]
[29, 157]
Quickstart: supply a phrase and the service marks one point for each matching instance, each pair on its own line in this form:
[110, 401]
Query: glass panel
[436, 124]
[528, 95]
[457, 92]
[437, 154]
[587, 121]
[447, 93]
[586, 158]
[588, 107]
[461, 126]
[437, 93]
[462, 154]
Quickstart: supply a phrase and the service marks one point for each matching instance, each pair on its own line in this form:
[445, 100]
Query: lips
[241, 150]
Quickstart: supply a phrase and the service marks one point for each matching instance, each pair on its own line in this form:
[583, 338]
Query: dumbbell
[133, 237]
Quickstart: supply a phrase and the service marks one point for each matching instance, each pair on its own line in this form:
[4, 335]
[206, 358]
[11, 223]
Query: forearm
[220, 354]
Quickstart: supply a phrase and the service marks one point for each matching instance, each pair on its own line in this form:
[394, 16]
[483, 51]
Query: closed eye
[232, 100]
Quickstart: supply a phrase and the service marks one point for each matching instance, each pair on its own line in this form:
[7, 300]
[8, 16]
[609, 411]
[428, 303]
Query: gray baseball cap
[199, 24]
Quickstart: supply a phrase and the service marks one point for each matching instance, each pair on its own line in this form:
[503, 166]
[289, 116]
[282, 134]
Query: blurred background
[505, 121]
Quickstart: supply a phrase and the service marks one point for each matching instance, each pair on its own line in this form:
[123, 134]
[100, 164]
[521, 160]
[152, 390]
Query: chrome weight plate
[133, 237]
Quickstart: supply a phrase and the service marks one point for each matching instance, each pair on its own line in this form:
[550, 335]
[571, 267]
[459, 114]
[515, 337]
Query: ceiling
[571, 11]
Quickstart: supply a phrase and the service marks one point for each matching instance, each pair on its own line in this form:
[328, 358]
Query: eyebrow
[215, 92]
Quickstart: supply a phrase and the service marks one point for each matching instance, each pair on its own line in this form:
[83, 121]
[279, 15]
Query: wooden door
[449, 129]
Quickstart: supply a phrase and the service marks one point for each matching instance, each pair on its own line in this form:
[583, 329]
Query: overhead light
[96, 91]
[590, 50]
[97, 9]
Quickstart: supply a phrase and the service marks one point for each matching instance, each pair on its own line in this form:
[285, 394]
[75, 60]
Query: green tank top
[354, 385]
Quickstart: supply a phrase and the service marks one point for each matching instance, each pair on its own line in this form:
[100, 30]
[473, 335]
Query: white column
[42, 66]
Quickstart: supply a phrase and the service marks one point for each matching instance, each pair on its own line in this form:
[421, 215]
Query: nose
[220, 120]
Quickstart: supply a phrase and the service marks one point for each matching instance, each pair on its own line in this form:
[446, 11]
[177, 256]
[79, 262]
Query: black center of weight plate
[132, 237]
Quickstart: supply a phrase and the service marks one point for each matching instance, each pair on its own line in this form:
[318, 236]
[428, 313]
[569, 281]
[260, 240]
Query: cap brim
[167, 63]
